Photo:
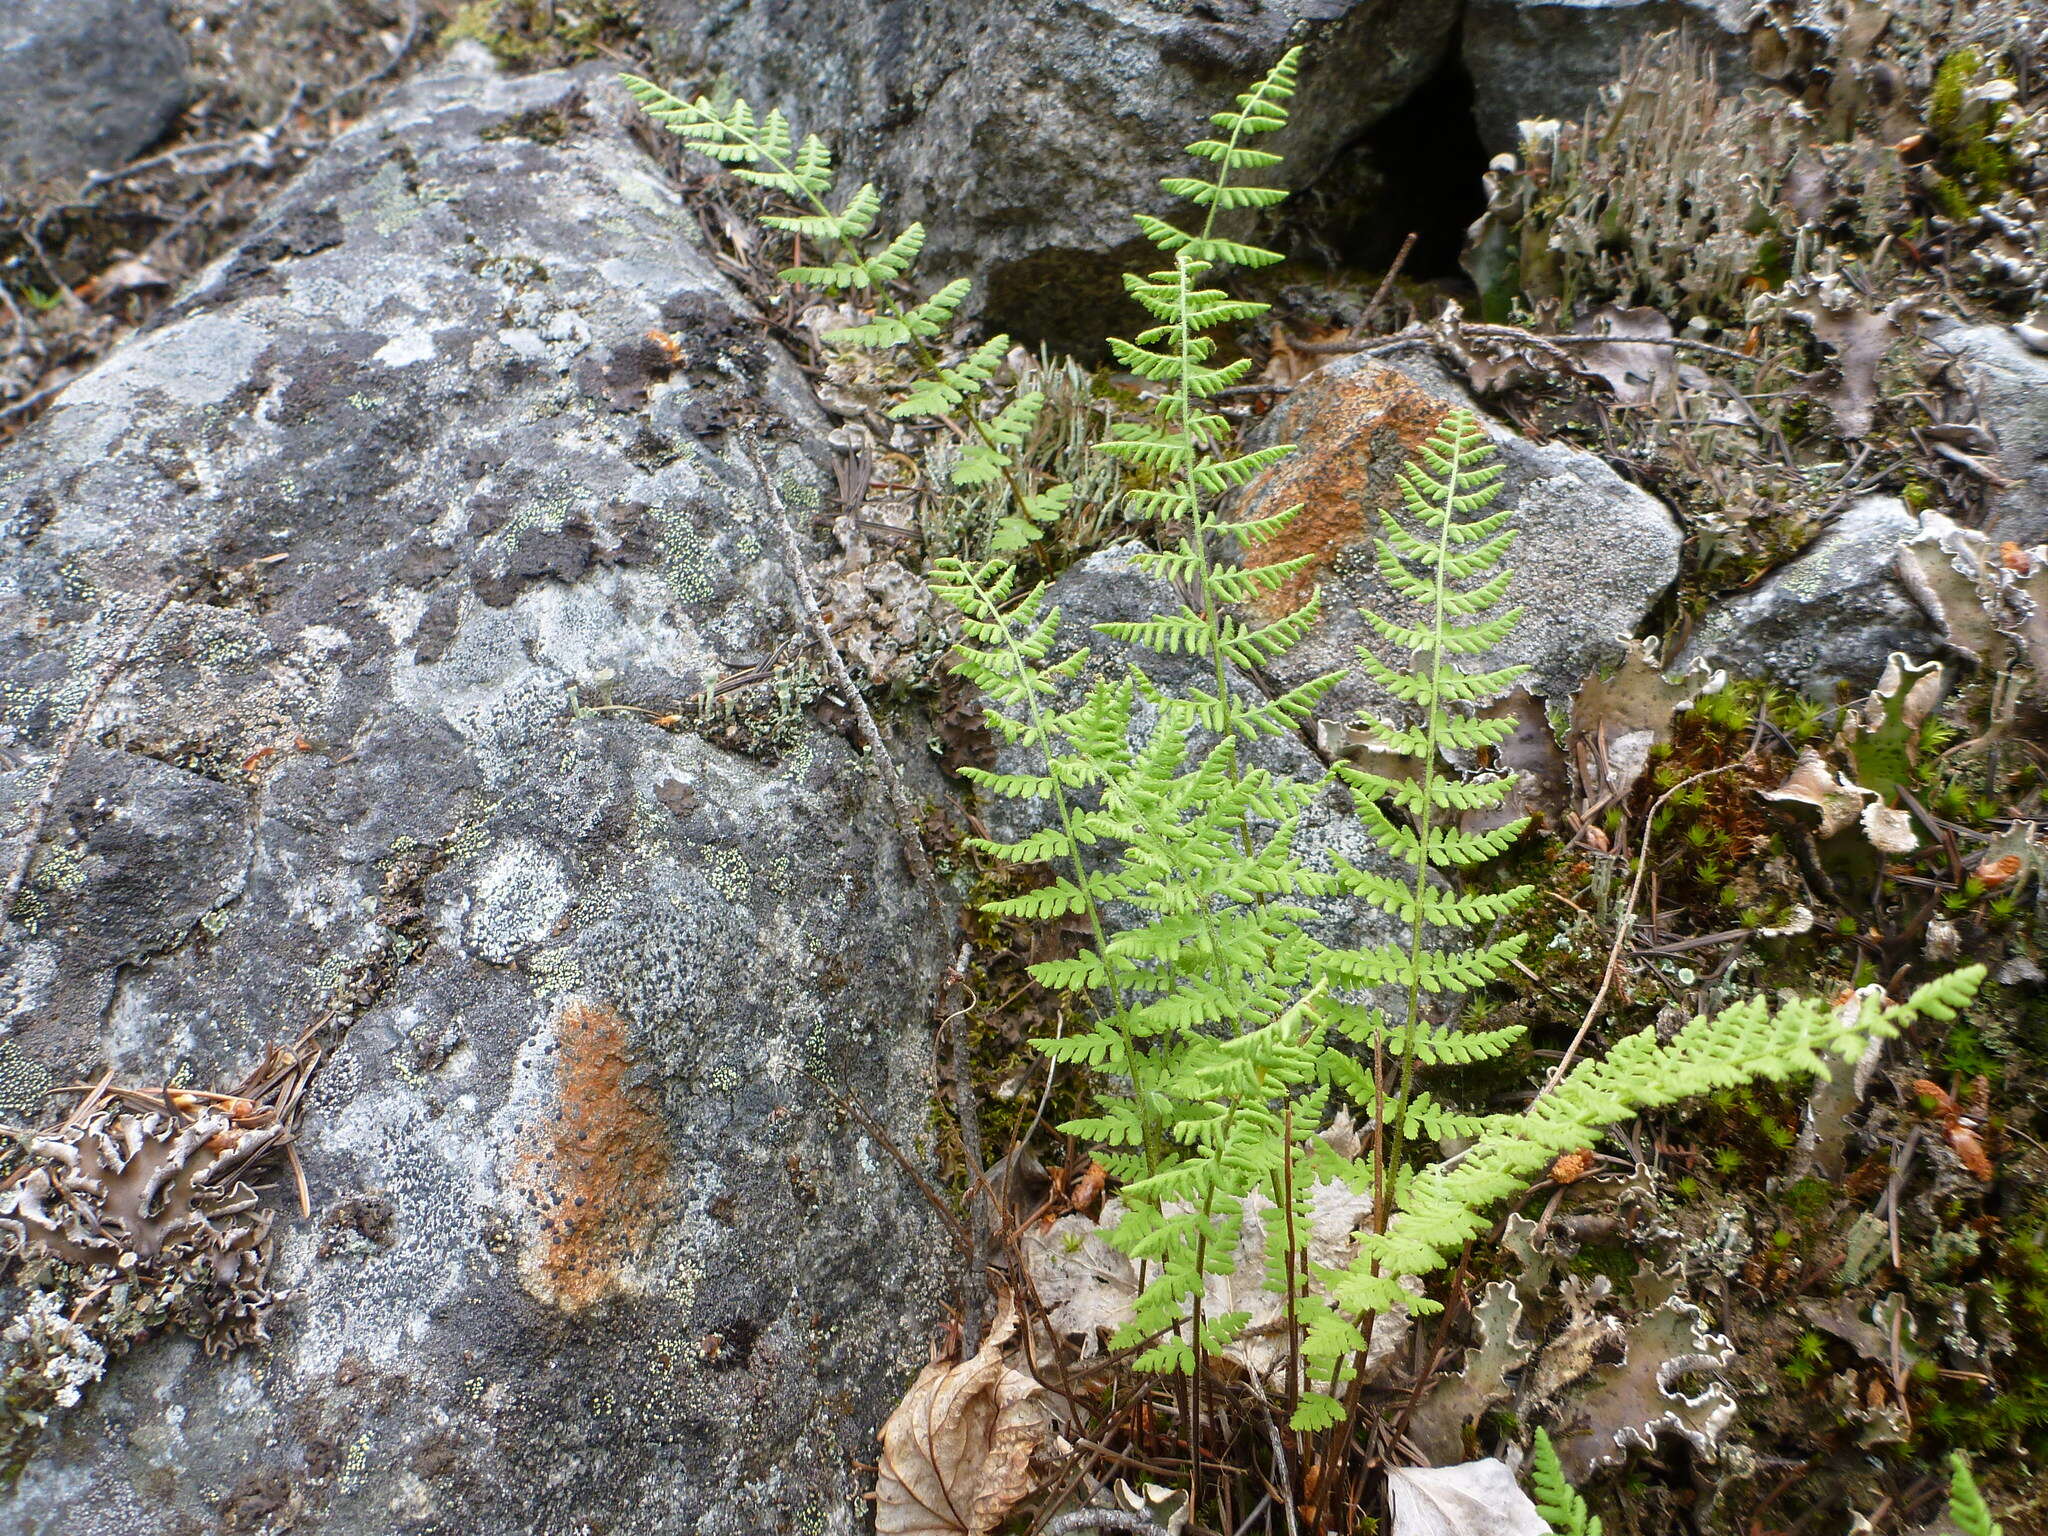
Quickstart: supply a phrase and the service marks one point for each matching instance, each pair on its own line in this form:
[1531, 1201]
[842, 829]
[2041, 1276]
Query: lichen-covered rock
[1829, 617]
[1022, 133]
[1551, 58]
[2009, 379]
[1592, 555]
[442, 470]
[84, 84]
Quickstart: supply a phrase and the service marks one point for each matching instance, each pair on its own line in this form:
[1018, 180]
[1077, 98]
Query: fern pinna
[763, 150]
[1556, 1500]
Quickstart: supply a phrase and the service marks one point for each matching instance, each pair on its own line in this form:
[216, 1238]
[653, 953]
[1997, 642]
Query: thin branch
[852, 1108]
[25, 854]
[1379, 294]
[1625, 925]
[1102, 1520]
[885, 766]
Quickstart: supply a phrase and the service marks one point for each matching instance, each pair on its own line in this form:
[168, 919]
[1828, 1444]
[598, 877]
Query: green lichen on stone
[23, 1084]
[61, 869]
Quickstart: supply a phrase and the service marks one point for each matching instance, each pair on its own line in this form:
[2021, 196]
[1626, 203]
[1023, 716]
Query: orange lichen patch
[597, 1174]
[1352, 432]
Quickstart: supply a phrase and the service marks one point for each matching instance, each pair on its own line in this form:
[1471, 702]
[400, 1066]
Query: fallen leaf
[1992, 873]
[1532, 754]
[122, 277]
[1474, 1498]
[1889, 829]
[1856, 339]
[1637, 374]
[1088, 1287]
[1960, 1128]
[957, 1452]
[1618, 719]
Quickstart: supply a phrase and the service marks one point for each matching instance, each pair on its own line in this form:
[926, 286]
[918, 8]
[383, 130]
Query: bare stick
[852, 1108]
[968, 1112]
[1624, 926]
[25, 855]
[885, 766]
[1379, 294]
[1101, 1520]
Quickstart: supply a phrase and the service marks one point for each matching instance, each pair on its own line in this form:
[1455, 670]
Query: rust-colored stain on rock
[1352, 431]
[598, 1175]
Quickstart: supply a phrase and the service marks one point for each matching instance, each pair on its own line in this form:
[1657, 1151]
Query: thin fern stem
[1197, 542]
[1431, 745]
[1063, 808]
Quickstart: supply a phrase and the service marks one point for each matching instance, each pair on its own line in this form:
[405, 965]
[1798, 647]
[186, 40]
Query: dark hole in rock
[1069, 300]
[1417, 169]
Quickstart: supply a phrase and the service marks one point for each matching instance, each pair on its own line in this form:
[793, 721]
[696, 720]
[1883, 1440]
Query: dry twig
[24, 855]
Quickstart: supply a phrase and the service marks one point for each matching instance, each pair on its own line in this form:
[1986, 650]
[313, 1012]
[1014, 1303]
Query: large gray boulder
[2009, 379]
[449, 533]
[1552, 58]
[1024, 135]
[1592, 557]
[1829, 618]
[84, 84]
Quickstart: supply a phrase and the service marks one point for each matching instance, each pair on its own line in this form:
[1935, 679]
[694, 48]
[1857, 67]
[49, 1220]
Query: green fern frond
[1966, 1506]
[1555, 1498]
[762, 151]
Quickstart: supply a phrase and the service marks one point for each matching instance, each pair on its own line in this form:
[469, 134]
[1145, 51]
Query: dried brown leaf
[957, 1452]
[1637, 374]
[1619, 718]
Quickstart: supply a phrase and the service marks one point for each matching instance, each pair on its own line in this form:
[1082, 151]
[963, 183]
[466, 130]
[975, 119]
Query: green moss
[1976, 168]
[541, 34]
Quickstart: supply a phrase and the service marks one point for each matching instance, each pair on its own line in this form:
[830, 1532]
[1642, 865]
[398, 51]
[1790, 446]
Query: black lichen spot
[679, 797]
[540, 125]
[713, 340]
[301, 232]
[365, 1216]
[731, 1346]
[537, 555]
[436, 629]
[626, 373]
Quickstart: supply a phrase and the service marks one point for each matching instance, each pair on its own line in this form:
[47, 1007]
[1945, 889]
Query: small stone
[1831, 616]
[1591, 557]
[85, 85]
[2009, 377]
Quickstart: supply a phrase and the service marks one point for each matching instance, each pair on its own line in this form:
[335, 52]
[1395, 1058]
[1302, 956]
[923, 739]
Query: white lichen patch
[407, 347]
[522, 893]
[505, 678]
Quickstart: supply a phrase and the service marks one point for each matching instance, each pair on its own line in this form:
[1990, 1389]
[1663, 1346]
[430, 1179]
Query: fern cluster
[1225, 1034]
[764, 151]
